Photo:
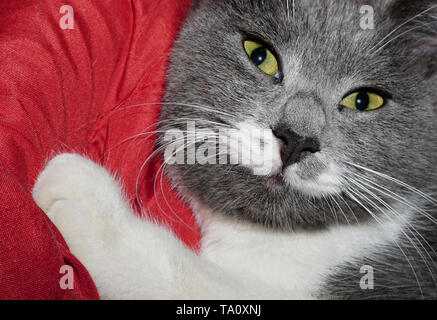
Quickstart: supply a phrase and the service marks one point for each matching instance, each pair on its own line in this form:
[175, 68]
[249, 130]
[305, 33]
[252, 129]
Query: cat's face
[296, 72]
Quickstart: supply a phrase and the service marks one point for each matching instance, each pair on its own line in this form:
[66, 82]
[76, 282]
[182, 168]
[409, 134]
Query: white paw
[83, 201]
[83, 228]
[73, 177]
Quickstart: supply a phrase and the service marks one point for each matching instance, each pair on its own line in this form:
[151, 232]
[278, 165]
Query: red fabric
[88, 90]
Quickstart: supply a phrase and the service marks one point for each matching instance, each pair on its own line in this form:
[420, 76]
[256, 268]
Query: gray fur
[324, 55]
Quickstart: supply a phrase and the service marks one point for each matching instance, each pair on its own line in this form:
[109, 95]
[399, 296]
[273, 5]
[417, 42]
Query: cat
[344, 208]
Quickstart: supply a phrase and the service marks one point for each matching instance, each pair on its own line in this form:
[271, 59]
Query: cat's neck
[295, 261]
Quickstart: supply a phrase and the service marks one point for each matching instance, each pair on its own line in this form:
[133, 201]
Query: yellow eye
[363, 101]
[262, 58]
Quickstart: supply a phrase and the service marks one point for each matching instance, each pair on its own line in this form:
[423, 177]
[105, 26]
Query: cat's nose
[295, 146]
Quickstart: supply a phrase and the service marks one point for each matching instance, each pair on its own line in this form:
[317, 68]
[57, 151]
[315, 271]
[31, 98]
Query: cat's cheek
[255, 148]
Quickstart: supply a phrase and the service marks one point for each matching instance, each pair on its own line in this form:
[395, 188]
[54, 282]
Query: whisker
[403, 33]
[401, 25]
[403, 184]
[160, 173]
[288, 9]
[350, 192]
[409, 226]
[391, 208]
[373, 185]
[341, 210]
[198, 107]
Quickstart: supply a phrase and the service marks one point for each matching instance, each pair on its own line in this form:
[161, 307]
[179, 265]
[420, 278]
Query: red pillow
[91, 89]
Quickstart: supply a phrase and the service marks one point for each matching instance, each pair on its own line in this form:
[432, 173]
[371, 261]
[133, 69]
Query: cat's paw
[84, 228]
[84, 202]
[73, 177]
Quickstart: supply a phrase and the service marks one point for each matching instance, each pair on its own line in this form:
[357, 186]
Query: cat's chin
[328, 182]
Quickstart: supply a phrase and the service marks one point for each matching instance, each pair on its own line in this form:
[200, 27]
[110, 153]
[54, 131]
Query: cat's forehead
[315, 39]
[322, 32]
[281, 16]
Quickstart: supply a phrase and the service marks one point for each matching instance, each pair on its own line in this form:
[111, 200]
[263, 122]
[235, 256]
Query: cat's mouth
[307, 178]
[285, 159]
[276, 182]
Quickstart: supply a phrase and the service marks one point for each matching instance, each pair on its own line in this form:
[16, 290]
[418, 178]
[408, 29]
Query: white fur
[258, 149]
[327, 183]
[130, 258]
[255, 148]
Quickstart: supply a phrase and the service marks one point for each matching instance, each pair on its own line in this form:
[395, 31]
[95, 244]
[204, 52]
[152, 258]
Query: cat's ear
[415, 28]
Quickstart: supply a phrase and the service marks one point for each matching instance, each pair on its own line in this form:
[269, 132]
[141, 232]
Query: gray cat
[345, 208]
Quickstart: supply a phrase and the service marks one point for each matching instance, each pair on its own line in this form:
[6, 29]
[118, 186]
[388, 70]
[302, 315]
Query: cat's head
[343, 92]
